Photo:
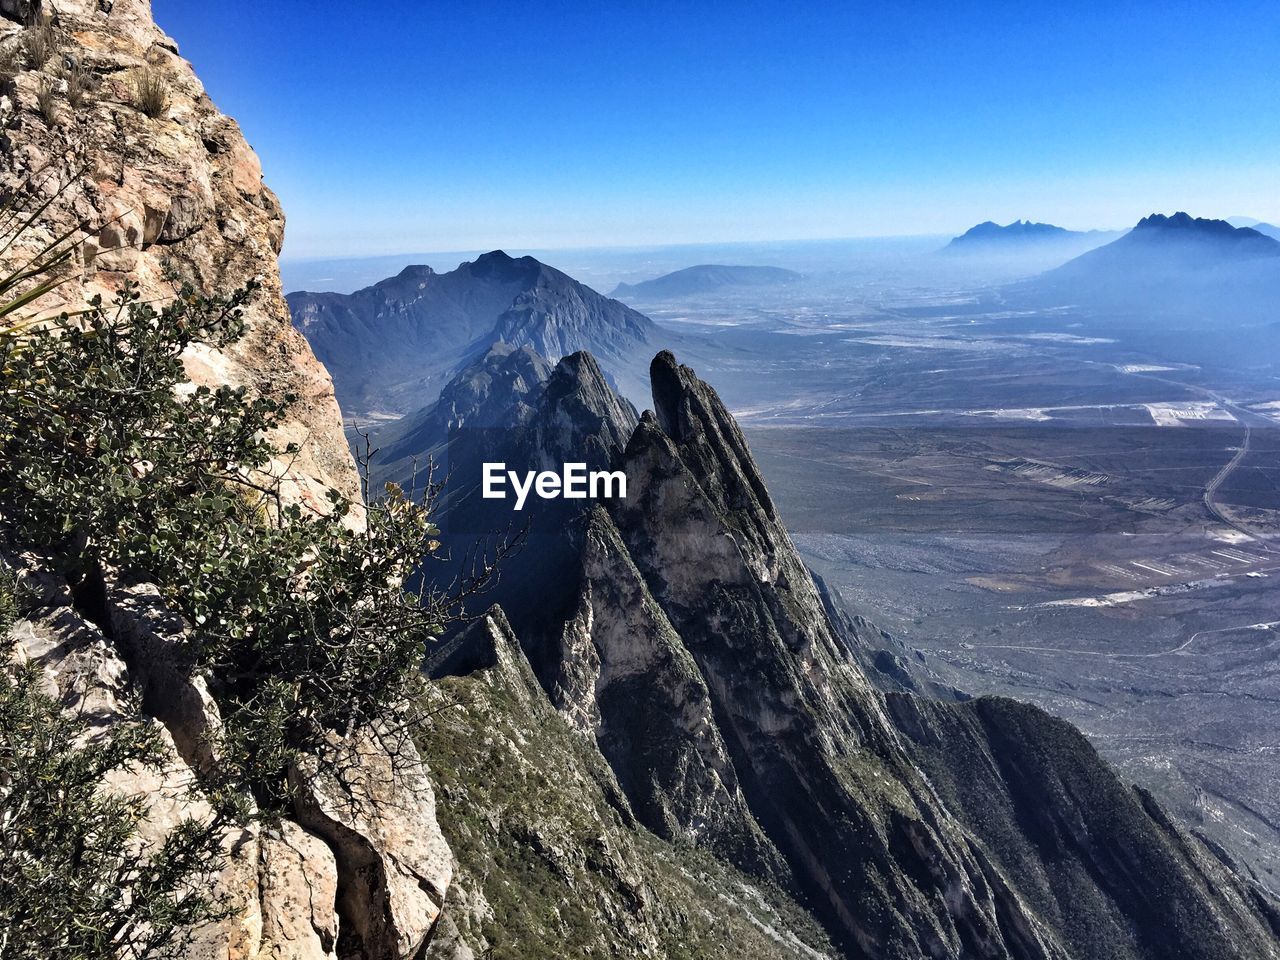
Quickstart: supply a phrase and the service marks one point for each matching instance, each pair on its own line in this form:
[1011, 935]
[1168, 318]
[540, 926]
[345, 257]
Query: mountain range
[392, 346]
[704, 279]
[669, 743]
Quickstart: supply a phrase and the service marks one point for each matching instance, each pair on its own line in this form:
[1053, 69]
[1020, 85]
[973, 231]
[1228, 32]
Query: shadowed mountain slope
[1199, 273]
[392, 346]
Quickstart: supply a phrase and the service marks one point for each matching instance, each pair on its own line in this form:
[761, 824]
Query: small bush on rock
[74, 882]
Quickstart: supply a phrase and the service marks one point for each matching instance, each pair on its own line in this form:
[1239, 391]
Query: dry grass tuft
[151, 94]
[47, 101]
[39, 42]
[80, 83]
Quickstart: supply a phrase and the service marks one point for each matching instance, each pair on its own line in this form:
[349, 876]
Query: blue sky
[417, 125]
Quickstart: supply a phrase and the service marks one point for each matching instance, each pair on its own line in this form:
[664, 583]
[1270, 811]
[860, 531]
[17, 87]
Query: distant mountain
[390, 347]
[1020, 231]
[1267, 229]
[705, 278]
[1201, 268]
[1042, 245]
[1161, 245]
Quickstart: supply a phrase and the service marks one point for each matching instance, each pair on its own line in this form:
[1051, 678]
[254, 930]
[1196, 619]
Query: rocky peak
[580, 417]
[392, 346]
[1186, 228]
[710, 442]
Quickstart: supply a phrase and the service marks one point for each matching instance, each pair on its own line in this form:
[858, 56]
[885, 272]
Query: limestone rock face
[179, 193]
[264, 876]
[362, 869]
[379, 818]
[928, 829]
[625, 678]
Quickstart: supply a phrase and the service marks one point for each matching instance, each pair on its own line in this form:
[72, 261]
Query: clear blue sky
[409, 125]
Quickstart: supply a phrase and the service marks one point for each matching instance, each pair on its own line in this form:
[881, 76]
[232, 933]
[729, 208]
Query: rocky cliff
[552, 860]
[162, 199]
[158, 197]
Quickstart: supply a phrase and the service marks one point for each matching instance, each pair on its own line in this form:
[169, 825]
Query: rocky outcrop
[893, 867]
[392, 346]
[360, 871]
[573, 416]
[162, 199]
[623, 677]
[372, 802]
[496, 392]
[277, 910]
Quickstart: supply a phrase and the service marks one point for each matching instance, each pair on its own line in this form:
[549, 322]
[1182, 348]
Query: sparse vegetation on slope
[552, 863]
[110, 462]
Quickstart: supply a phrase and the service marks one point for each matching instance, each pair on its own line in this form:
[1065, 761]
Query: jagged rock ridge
[700, 661]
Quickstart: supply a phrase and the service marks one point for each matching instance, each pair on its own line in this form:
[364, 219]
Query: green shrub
[300, 623]
[74, 884]
[8, 603]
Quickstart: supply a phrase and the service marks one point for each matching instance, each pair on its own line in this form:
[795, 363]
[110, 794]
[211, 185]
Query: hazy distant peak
[705, 278]
[1184, 221]
[1187, 264]
[415, 271]
[1217, 235]
[1018, 231]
